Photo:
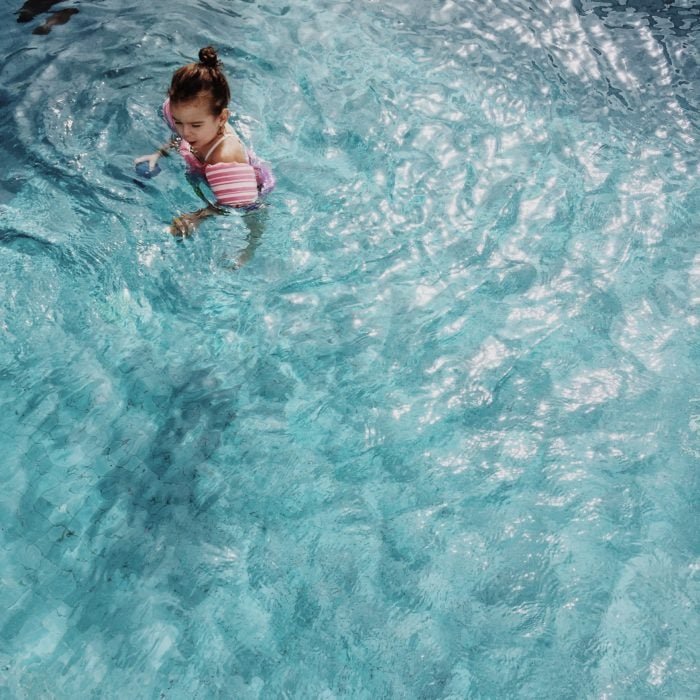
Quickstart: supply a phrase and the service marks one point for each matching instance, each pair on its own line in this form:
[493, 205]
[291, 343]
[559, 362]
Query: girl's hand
[151, 158]
[184, 225]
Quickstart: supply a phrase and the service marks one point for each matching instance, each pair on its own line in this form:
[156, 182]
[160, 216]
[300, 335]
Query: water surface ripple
[437, 438]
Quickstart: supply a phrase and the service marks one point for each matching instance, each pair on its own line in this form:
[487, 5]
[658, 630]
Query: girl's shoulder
[230, 150]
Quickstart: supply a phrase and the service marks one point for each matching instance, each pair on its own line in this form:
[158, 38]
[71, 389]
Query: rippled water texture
[437, 438]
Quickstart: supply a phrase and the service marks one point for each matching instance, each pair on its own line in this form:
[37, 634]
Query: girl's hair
[207, 76]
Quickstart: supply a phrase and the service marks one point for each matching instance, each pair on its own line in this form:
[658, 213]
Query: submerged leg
[255, 221]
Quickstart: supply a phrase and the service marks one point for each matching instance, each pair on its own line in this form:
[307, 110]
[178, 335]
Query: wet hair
[207, 76]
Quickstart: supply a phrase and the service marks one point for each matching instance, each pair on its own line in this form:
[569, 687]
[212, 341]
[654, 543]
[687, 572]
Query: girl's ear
[225, 115]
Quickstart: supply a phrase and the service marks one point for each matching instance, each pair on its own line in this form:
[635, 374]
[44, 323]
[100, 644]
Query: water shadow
[32, 8]
[683, 21]
[56, 18]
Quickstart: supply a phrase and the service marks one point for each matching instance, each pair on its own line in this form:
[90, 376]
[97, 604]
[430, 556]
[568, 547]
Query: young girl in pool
[196, 109]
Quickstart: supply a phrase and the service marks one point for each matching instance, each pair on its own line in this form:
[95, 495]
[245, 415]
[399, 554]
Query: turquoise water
[437, 438]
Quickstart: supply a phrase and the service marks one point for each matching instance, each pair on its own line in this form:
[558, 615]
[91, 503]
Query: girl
[197, 111]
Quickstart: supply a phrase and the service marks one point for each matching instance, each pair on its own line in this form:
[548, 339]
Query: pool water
[434, 434]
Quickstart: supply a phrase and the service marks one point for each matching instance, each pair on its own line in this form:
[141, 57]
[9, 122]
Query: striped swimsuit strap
[213, 148]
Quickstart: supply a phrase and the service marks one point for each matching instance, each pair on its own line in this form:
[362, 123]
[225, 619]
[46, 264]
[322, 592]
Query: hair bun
[208, 57]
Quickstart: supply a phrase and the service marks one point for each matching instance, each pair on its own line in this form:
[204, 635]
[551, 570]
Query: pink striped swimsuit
[233, 184]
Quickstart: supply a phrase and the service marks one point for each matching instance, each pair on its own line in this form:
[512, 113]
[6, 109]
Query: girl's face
[195, 123]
